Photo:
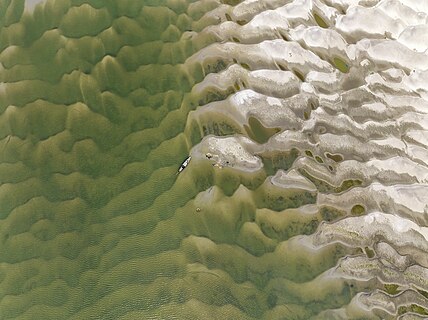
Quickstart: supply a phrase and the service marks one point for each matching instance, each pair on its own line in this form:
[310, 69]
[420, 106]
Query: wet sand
[307, 193]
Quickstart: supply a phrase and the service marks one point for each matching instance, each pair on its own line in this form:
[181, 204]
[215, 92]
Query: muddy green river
[102, 100]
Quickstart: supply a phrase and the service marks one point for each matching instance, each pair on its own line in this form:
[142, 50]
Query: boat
[184, 164]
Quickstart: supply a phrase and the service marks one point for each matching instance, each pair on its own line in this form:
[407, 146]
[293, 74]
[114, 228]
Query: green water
[258, 132]
[94, 222]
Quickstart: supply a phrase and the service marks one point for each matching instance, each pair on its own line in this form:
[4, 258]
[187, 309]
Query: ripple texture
[307, 193]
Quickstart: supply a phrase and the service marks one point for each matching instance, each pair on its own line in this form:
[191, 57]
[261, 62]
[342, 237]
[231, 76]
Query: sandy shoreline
[363, 74]
[307, 193]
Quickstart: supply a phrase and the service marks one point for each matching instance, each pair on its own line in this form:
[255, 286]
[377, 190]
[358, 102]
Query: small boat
[184, 164]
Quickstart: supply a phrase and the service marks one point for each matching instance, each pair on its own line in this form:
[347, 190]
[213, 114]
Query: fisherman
[184, 164]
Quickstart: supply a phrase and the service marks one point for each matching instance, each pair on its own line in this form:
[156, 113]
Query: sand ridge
[307, 130]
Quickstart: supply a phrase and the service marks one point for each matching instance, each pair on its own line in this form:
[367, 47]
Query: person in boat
[184, 164]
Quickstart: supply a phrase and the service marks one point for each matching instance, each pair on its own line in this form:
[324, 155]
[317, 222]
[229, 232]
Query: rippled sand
[307, 193]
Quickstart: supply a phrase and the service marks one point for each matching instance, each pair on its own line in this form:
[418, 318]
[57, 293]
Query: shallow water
[306, 196]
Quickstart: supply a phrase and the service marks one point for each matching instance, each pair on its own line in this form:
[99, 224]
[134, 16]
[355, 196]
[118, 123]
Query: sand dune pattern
[307, 193]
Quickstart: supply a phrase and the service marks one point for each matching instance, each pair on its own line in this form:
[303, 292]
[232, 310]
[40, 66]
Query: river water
[307, 193]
